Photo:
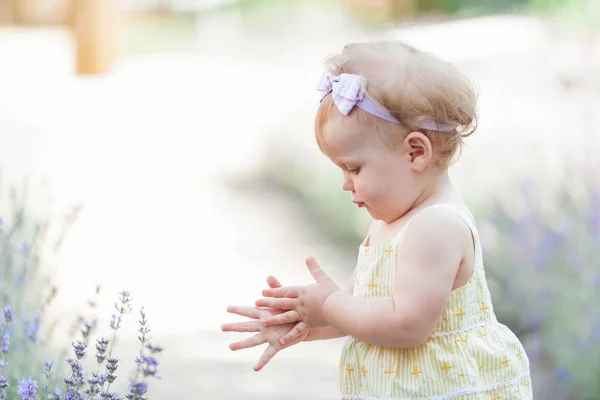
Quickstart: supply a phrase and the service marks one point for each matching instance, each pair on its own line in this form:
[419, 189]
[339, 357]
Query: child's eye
[354, 170]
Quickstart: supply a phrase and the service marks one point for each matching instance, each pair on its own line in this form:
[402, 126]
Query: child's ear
[418, 150]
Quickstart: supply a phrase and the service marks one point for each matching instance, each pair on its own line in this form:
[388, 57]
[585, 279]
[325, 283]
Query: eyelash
[354, 170]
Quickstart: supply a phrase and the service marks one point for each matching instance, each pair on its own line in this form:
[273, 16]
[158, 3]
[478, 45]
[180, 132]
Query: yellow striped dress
[469, 356]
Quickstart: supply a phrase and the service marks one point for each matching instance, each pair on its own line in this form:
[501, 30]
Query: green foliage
[27, 292]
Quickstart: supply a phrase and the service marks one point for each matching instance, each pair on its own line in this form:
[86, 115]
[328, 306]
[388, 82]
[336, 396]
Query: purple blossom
[593, 279]
[110, 396]
[3, 386]
[3, 382]
[8, 314]
[88, 327]
[547, 248]
[563, 374]
[115, 322]
[112, 364]
[27, 389]
[79, 349]
[25, 247]
[137, 390]
[533, 322]
[76, 378]
[5, 341]
[154, 348]
[101, 347]
[34, 326]
[73, 394]
[150, 366]
[123, 305]
[596, 331]
[48, 368]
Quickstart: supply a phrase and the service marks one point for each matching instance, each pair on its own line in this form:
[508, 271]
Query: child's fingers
[266, 356]
[281, 304]
[284, 318]
[255, 340]
[294, 333]
[289, 291]
[250, 312]
[246, 326]
[273, 282]
[315, 270]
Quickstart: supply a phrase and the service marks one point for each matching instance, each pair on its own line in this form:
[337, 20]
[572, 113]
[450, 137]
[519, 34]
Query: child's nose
[347, 183]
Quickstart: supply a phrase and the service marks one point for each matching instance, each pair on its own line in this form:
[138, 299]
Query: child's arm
[324, 333]
[427, 264]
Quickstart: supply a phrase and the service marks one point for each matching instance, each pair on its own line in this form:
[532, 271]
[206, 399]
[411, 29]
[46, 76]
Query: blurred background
[166, 147]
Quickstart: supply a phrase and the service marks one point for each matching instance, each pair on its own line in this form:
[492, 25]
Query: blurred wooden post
[96, 27]
[6, 12]
[384, 8]
[37, 12]
[403, 8]
[23, 11]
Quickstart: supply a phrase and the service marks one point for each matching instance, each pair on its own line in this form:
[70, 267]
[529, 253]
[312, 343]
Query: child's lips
[359, 204]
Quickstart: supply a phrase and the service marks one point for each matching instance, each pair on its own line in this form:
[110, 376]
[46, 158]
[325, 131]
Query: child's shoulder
[446, 215]
[442, 223]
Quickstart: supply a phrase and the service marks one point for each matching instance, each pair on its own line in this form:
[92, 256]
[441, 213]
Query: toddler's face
[378, 178]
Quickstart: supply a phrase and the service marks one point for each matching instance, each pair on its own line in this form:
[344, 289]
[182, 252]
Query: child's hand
[305, 303]
[295, 332]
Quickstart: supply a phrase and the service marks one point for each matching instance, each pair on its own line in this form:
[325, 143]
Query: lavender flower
[154, 348]
[48, 368]
[101, 347]
[79, 349]
[76, 378]
[150, 366]
[73, 394]
[123, 305]
[88, 328]
[5, 341]
[137, 390]
[27, 389]
[596, 331]
[563, 374]
[96, 381]
[111, 366]
[33, 328]
[3, 386]
[115, 322]
[8, 314]
[25, 247]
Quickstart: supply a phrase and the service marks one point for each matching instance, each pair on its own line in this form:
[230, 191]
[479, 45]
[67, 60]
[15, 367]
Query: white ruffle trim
[463, 330]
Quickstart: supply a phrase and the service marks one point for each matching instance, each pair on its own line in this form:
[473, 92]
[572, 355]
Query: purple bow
[348, 91]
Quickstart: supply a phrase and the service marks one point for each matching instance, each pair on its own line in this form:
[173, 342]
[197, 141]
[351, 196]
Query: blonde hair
[413, 86]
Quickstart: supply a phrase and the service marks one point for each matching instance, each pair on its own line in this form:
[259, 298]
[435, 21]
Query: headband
[348, 91]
